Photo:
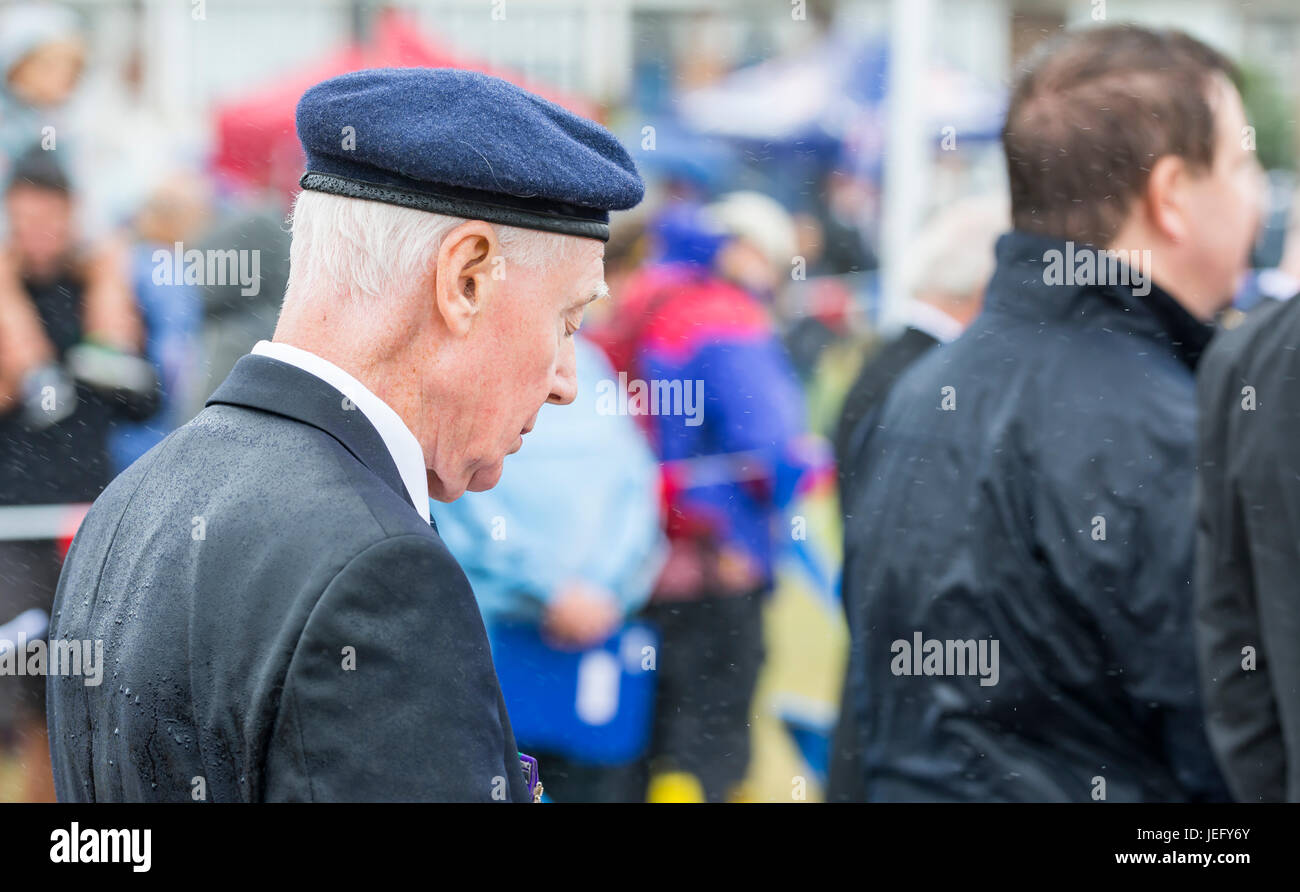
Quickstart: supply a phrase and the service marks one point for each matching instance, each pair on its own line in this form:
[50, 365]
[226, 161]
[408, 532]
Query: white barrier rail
[22, 522]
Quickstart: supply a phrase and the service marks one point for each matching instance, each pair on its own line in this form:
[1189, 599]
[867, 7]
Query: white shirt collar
[1277, 284]
[933, 321]
[397, 437]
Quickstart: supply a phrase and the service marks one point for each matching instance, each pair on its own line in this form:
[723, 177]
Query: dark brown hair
[1090, 116]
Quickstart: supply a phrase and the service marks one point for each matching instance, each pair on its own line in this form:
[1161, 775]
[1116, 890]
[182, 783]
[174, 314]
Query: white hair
[758, 219]
[373, 251]
[951, 258]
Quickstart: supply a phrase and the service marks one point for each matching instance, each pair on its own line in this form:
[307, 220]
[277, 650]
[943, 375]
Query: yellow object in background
[675, 786]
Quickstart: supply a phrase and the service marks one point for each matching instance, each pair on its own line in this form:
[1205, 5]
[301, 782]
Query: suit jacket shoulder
[278, 620]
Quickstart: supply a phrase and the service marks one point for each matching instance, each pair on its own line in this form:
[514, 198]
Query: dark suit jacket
[278, 622]
[1248, 552]
[866, 395]
[869, 390]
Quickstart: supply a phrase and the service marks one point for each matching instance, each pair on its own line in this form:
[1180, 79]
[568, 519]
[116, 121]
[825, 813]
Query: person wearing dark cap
[282, 620]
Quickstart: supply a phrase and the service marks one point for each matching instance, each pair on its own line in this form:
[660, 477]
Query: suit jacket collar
[933, 321]
[268, 385]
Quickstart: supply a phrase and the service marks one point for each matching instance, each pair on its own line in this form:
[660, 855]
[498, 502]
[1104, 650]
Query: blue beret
[464, 144]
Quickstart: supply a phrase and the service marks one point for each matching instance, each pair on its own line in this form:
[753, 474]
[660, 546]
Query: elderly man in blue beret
[275, 615]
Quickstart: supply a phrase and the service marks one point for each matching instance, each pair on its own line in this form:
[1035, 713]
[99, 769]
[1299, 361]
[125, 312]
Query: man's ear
[463, 283]
[1165, 197]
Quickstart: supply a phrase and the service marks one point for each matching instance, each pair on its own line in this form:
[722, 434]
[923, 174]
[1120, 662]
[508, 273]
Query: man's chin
[485, 478]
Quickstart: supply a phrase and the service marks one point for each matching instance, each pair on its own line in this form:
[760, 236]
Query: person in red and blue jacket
[730, 440]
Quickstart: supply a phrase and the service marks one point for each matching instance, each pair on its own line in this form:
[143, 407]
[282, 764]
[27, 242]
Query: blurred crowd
[103, 350]
[624, 563]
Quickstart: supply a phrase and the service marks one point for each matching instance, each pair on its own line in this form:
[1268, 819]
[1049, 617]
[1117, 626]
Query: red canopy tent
[257, 146]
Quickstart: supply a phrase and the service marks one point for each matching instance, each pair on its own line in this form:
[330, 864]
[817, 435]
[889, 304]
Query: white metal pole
[908, 148]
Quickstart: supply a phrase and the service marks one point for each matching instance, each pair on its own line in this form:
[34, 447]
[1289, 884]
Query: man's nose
[564, 383]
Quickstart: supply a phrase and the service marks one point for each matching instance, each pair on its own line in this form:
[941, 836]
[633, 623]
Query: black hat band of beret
[471, 204]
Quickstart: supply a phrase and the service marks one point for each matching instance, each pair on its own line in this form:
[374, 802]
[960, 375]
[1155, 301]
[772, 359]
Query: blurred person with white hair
[761, 241]
[946, 269]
